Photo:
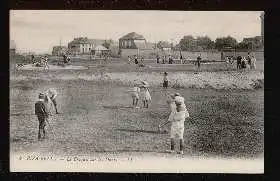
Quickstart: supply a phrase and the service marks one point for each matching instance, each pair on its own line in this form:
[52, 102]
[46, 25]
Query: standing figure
[177, 124]
[141, 64]
[198, 61]
[181, 59]
[243, 63]
[238, 62]
[163, 59]
[48, 103]
[42, 114]
[157, 59]
[65, 61]
[68, 60]
[135, 59]
[33, 59]
[169, 60]
[231, 60]
[135, 95]
[145, 94]
[253, 63]
[227, 59]
[46, 62]
[129, 60]
[165, 80]
[172, 106]
[52, 94]
[249, 60]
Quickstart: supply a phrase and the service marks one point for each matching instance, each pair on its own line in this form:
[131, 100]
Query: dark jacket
[41, 109]
[239, 59]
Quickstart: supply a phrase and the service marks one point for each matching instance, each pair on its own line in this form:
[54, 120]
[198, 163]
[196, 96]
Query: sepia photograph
[141, 91]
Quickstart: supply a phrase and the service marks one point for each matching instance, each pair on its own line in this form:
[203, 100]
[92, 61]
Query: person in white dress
[145, 94]
[46, 63]
[253, 63]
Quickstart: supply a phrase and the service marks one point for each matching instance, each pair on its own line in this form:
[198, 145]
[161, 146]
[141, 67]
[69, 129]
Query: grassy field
[97, 116]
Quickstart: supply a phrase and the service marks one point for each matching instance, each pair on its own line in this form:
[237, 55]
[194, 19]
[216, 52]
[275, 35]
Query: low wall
[147, 53]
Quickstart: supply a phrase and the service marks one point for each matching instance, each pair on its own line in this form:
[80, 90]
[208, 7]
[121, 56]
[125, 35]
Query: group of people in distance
[43, 62]
[66, 59]
[136, 61]
[163, 59]
[43, 110]
[246, 63]
[141, 91]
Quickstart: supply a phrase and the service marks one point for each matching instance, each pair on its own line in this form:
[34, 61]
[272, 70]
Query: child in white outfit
[177, 123]
[145, 94]
[135, 95]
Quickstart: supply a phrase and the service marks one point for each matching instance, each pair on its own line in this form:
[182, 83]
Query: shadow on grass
[23, 139]
[20, 114]
[143, 131]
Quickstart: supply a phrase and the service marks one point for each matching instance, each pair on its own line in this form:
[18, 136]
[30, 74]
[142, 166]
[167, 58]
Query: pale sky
[39, 30]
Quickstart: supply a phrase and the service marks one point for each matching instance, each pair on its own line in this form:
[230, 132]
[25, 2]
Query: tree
[223, 42]
[163, 44]
[205, 43]
[107, 43]
[243, 45]
[187, 43]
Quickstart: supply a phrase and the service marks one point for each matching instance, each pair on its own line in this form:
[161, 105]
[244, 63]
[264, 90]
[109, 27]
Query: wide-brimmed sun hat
[179, 100]
[41, 95]
[145, 84]
[177, 94]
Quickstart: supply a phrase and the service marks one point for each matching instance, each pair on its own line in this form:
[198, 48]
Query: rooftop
[132, 36]
[85, 40]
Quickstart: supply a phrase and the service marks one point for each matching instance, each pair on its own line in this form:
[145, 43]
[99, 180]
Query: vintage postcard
[137, 91]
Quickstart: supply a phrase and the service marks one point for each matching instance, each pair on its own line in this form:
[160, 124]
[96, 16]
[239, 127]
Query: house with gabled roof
[83, 45]
[132, 41]
[134, 44]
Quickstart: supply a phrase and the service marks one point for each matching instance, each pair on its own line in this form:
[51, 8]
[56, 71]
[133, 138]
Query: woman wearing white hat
[145, 94]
